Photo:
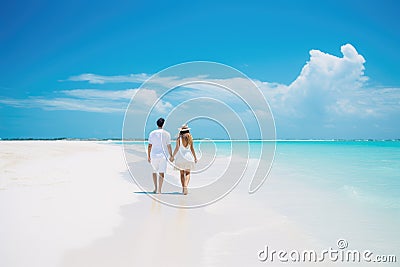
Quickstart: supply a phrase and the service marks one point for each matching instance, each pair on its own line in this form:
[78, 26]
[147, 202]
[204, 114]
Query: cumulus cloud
[332, 92]
[325, 84]
[327, 72]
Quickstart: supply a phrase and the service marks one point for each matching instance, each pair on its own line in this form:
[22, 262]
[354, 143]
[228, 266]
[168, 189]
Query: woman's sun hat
[184, 127]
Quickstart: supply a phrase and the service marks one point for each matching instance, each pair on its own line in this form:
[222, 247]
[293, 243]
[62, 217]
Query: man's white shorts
[159, 164]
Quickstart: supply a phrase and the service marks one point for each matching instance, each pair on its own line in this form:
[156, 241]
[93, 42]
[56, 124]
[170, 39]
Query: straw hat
[184, 127]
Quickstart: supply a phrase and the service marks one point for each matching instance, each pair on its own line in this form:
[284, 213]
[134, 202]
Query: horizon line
[197, 139]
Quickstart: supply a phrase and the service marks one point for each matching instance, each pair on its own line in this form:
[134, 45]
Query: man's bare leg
[155, 182]
[161, 180]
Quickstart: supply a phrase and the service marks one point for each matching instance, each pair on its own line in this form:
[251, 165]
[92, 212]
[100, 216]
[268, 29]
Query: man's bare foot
[154, 191]
[159, 192]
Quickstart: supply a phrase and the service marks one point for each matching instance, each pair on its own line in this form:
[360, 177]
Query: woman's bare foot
[154, 191]
[185, 191]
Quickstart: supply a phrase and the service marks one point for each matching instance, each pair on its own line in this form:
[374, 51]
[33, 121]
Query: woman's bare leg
[187, 179]
[182, 180]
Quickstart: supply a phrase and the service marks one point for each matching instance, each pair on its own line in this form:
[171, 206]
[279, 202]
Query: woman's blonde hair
[187, 136]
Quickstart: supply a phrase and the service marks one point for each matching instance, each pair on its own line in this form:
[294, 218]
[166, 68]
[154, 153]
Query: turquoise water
[367, 172]
[363, 171]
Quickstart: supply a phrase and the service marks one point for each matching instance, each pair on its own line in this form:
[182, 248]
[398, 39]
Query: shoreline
[204, 140]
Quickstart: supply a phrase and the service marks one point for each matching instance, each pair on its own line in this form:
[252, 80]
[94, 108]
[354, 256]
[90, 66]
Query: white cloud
[331, 86]
[65, 104]
[92, 100]
[148, 98]
[17, 103]
[328, 72]
[101, 94]
[80, 104]
[99, 79]
[325, 83]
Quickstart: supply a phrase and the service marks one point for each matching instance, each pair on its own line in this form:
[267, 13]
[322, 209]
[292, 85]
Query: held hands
[171, 158]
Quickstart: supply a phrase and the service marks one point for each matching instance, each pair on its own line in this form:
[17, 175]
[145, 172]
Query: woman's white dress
[184, 159]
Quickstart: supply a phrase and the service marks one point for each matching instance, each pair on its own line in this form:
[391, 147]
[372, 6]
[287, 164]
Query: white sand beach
[73, 203]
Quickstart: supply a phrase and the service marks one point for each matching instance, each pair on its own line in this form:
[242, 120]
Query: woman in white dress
[185, 156]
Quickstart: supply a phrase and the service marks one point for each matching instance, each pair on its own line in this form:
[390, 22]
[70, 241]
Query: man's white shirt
[159, 139]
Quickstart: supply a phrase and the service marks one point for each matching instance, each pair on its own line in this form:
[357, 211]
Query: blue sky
[329, 69]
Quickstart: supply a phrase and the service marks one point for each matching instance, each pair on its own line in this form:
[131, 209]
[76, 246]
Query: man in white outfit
[159, 142]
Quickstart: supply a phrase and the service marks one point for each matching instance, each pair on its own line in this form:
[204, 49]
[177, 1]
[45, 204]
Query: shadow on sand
[152, 193]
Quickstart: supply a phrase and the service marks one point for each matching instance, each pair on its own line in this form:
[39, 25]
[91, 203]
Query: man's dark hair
[160, 122]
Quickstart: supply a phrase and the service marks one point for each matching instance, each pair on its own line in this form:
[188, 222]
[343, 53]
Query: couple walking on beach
[184, 154]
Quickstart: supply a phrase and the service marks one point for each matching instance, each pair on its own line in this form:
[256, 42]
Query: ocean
[363, 171]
